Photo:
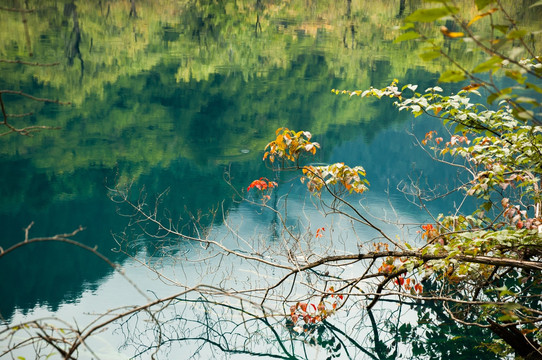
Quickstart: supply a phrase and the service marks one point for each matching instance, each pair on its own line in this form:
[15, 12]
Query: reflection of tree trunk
[352, 28]
[352, 341]
[133, 12]
[26, 32]
[102, 10]
[74, 40]
[381, 350]
[526, 348]
[258, 26]
[401, 8]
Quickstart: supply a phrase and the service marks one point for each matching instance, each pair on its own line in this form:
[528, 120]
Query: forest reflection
[170, 95]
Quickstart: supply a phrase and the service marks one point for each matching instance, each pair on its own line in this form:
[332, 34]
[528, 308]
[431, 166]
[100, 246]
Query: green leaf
[534, 87]
[480, 4]
[487, 205]
[409, 35]
[492, 98]
[452, 76]
[492, 64]
[528, 100]
[516, 75]
[499, 95]
[430, 15]
[430, 55]
[525, 115]
[502, 28]
[538, 3]
[459, 128]
[516, 34]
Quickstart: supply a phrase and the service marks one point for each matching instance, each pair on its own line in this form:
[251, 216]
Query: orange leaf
[321, 307]
[451, 34]
[473, 86]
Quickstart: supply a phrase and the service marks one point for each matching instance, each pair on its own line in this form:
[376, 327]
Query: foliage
[488, 260]
[306, 287]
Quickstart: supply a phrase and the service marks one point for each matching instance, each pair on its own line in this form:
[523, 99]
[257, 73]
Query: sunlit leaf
[430, 15]
[498, 95]
[492, 64]
[480, 4]
[525, 115]
[516, 34]
[516, 75]
[452, 76]
[430, 55]
[407, 26]
[534, 87]
[407, 36]
[528, 100]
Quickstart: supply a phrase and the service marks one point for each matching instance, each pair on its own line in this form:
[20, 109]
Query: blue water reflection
[176, 105]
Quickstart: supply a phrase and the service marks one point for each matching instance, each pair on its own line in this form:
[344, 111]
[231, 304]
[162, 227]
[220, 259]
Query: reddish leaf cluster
[320, 232]
[519, 217]
[386, 268]
[311, 313]
[409, 284]
[262, 184]
[429, 136]
[457, 139]
[429, 232]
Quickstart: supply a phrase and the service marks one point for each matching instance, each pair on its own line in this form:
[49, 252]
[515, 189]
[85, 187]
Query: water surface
[173, 98]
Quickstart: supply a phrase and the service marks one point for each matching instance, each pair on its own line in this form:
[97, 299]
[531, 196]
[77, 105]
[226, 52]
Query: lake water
[171, 99]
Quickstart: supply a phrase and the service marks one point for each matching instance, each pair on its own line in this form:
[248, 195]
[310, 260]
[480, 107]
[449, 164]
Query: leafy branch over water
[297, 291]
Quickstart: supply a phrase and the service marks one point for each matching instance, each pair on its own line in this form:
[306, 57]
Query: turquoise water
[173, 102]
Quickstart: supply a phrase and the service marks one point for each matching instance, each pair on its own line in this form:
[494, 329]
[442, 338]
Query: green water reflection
[171, 98]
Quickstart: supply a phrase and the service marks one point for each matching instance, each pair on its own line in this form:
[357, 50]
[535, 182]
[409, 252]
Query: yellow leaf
[451, 34]
[478, 17]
